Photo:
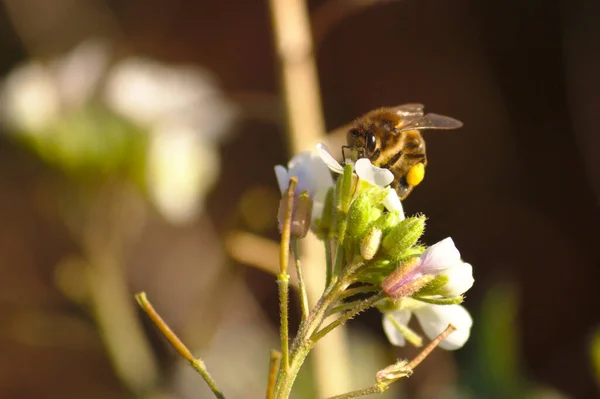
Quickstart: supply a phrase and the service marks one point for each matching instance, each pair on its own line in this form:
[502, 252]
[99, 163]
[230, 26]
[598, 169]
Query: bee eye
[371, 143]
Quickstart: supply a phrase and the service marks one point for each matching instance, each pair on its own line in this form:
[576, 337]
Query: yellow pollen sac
[416, 174]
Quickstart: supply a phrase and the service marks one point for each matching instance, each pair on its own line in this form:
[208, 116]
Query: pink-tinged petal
[435, 318]
[401, 317]
[329, 160]
[460, 279]
[440, 256]
[377, 176]
[392, 203]
[283, 179]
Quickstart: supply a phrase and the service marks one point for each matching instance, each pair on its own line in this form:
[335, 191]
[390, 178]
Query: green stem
[328, 261]
[343, 307]
[411, 336]
[283, 279]
[358, 290]
[362, 392]
[364, 305]
[301, 284]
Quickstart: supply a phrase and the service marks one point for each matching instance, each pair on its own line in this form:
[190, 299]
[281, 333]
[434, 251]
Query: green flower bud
[364, 210]
[388, 221]
[370, 243]
[402, 237]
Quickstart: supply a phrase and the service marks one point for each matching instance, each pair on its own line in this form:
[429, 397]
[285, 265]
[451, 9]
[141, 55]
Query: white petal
[283, 179]
[313, 175]
[181, 170]
[401, 317]
[392, 203]
[30, 99]
[460, 279]
[377, 176]
[440, 256]
[329, 160]
[435, 318]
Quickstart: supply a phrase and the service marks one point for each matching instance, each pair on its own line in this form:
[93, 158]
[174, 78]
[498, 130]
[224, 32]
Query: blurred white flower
[182, 167]
[433, 319]
[34, 95]
[183, 111]
[185, 114]
[151, 93]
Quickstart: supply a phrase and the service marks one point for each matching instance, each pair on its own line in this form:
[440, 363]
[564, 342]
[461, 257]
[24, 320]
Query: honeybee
[390, 138]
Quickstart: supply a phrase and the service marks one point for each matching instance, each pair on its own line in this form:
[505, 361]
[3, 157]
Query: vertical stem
[291, 27]
[301, 284]
[283, 279]
[300, 83]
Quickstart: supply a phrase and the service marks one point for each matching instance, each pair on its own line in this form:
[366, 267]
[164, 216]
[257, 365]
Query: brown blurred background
[517, 188]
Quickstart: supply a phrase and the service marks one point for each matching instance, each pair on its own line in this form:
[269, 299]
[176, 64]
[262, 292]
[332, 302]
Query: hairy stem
[283, 278]
[362, 306]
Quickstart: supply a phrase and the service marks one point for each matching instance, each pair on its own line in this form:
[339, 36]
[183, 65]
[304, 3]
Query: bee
[390, 138]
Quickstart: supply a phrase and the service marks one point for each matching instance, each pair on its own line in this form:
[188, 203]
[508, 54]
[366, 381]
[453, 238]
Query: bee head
[363, 140]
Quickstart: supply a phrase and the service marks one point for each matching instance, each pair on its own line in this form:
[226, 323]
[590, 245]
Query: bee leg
[343, 154]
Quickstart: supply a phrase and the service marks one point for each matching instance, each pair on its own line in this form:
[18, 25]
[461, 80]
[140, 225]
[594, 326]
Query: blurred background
[137, 146]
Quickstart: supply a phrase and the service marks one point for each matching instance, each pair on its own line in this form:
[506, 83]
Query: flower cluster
[378, 248]
[88, 114]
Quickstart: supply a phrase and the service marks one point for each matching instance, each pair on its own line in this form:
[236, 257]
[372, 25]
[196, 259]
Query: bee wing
[409, 110]
[430, 121]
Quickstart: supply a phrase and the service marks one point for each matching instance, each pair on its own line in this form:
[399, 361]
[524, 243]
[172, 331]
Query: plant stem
[358, 290]
[328, 260]
[377, 388]
[179, 346]
[364, 305]
[301, 284]
[411, 336]
[283, 278]
[430, 347]
[273, 367]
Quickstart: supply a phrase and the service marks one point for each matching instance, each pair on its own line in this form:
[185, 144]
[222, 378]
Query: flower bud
[364, 210]
[393, 372]
[388, 221]
[301, 214]
[404, 280]
[370, 243]
[403, 236]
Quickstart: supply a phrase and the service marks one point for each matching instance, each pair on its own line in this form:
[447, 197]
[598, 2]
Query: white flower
[366, 172]
[433, 320]
[443, 259]
[34, 95]
[151, 93]
[182, 166]
[313, 177]
[185, 114]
